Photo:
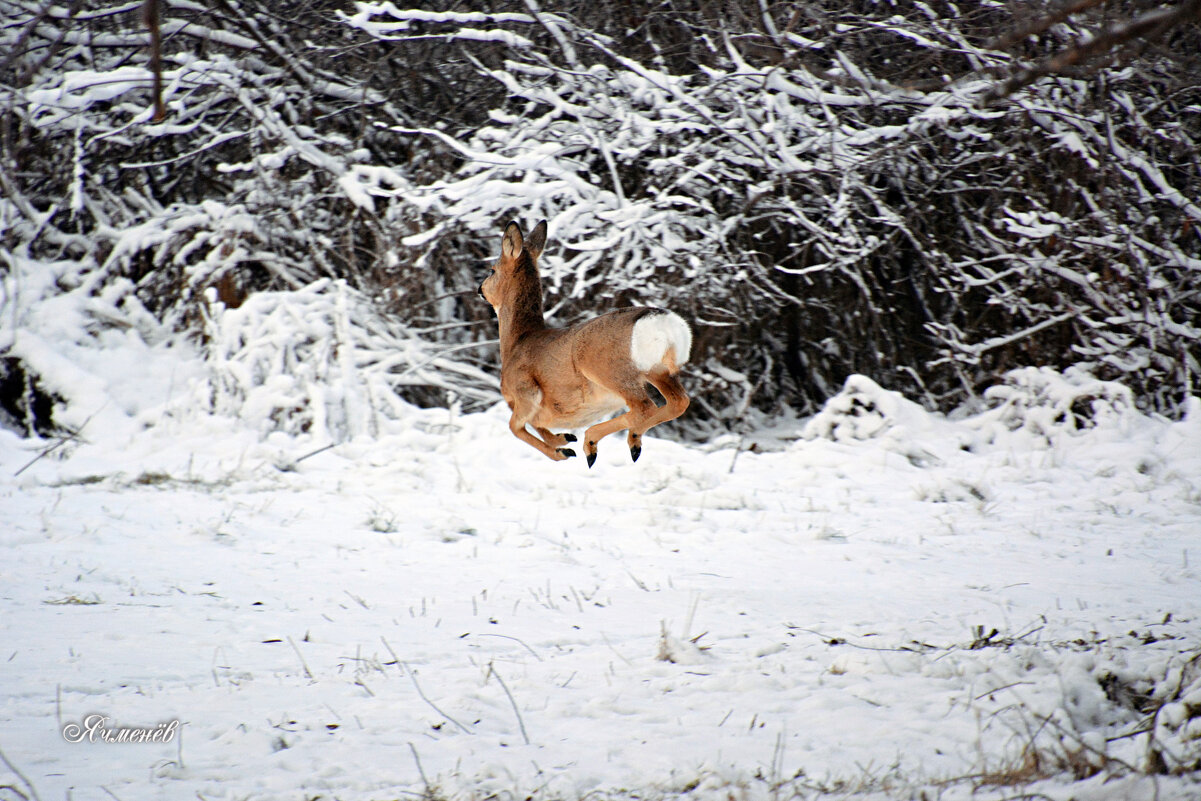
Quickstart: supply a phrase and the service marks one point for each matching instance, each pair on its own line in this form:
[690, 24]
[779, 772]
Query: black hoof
[635, 452]
[568, 452]
[569, 437]
[591, 459]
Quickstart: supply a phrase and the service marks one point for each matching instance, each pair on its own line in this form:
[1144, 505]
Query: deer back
[632, 342]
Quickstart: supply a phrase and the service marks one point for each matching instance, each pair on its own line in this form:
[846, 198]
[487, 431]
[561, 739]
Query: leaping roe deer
[568, 378]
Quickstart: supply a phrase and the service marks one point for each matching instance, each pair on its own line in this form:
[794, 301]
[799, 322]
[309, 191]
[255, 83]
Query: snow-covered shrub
[1045, 402]
[323, 360]
[55, 318]
[237, 187]
[25, 405]
[1175, 744]
[862, 410]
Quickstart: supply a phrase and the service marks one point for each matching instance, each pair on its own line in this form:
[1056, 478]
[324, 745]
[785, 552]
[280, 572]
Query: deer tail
[658, 334]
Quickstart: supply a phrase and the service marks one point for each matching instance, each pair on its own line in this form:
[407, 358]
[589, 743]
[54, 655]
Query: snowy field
[873, 603]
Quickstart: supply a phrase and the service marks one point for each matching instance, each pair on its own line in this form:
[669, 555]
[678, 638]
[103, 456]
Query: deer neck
[522, 314]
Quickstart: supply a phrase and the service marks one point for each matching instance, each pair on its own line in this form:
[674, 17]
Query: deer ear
[510, 245]
[537, 240]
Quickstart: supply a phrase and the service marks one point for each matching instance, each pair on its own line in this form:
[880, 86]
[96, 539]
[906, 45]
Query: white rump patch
[654, 334]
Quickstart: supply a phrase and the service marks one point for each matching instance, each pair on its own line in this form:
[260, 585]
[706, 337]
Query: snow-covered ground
[877, 602]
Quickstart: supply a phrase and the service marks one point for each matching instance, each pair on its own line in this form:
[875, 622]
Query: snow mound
[1040, 402]
[864, 410]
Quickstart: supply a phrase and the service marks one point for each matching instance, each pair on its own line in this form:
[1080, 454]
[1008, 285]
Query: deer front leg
[552, 439]
[524, 407]
[522, 433]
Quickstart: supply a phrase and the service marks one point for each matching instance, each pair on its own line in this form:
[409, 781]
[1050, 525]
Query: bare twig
[916, 647]
[299, 655]
[421, 771]
[514, 639]
[151, 14]
[1100, 49]
[72, 436]
[520, 723]
[286, 465]
[1041, 24]
[17, 48]
[32, 792]
[417, 687]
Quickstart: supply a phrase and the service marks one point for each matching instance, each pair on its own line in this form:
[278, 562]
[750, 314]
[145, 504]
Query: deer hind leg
[601, 430]
[677, 403]
[524, 407]
[640, 406]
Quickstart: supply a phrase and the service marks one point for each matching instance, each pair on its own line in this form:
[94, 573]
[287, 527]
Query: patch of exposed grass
[75, 600]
